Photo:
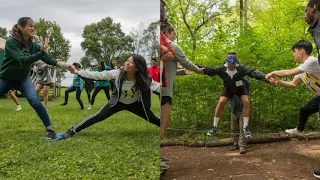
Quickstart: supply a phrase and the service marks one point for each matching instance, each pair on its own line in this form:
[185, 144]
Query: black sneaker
[316, 173]
[51, 134]
[63, 104]
[211, 131]
[68, 134]
[246, 132]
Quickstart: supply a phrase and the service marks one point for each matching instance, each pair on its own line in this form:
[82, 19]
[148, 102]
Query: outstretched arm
[103, 75]
[184, 61]
[291, 84]
[255, 74]
[155, 87]
[285, 73]
[211, 71]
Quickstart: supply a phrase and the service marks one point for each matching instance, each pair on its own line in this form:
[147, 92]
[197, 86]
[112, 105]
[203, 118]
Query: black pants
[107, 111]
[308, 109]
[97, 90]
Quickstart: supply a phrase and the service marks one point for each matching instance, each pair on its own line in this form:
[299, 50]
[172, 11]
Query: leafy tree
[3, 32]
[104, 40]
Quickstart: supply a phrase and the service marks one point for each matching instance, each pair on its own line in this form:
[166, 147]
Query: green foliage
[59, 47]
[122, 147]
[272, 28]
[3, 32]
[105, 40]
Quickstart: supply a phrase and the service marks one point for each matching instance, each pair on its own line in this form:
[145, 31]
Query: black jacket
[242, 71]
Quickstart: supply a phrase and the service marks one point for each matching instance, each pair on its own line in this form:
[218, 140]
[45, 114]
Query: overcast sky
[73, 15]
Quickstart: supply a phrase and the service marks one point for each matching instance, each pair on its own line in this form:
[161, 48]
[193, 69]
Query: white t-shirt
[311, 75]
[129, 94]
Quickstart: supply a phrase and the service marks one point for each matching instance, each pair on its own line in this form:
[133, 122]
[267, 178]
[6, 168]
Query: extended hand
[45, 45]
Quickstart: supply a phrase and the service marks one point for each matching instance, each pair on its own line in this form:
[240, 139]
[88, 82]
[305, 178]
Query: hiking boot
[163, 159]
[242, 150]
[211, 131]
[51, 134]
[69, 133]
[234, 147]
[294, 131]
[63, 104]
[163, 166]
[316, 173]
[246, 132]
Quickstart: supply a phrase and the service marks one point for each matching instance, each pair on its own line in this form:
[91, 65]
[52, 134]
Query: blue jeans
[78, 94]
[27, 89]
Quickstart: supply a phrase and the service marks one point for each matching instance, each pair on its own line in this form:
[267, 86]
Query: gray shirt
[171, 68]
[43, 74]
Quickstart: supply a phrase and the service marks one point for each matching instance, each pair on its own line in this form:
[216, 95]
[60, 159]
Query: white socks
[245, 121]
[216, 121]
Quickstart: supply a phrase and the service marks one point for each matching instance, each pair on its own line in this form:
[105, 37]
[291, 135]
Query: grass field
[122, 147]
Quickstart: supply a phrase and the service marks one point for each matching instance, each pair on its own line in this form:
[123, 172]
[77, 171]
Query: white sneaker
[90, 107]
[19, 108]
[293, 131]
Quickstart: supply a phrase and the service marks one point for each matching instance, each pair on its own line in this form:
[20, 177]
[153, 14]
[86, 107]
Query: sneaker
[163, 166]
[242, 151]
[211, 131]
[246, 132]
[19, 108]
[316, 173]
[51, 134]
[163, 159]
[234, 147]
[69, 133]
[293, 131]
[90, 107]
[63, 104]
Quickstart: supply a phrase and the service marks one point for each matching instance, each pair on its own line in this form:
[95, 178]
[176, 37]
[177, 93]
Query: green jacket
[18, 59]
[77, 81]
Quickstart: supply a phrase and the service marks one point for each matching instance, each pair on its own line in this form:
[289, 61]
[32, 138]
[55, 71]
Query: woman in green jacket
[20, 53]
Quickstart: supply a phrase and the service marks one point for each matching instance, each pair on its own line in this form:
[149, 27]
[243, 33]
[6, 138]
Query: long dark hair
[102, 66]
[17, 34]
[143, 80]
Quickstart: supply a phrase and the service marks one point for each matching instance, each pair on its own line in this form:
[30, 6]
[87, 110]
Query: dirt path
[272, 161]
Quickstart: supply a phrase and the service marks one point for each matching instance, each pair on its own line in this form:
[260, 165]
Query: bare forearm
[286, 84]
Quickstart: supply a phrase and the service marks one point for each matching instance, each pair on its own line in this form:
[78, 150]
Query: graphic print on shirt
[25, 51]
[131, 93]
[311, 82]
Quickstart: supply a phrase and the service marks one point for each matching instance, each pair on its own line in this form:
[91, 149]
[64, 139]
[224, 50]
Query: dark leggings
[78, 94]
[308, 109]
[107, 111]
[97, 90]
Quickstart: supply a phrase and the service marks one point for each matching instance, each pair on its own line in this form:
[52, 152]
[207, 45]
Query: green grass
[124, 146]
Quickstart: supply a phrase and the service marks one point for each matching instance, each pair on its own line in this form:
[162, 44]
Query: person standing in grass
[100, 84]
[77, 85]
[132, 92]
[15, 100]
[44, 81]
[20, 53]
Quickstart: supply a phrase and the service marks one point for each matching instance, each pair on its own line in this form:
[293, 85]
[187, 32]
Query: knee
[45, 93]
[303, 110]
[35, 102]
